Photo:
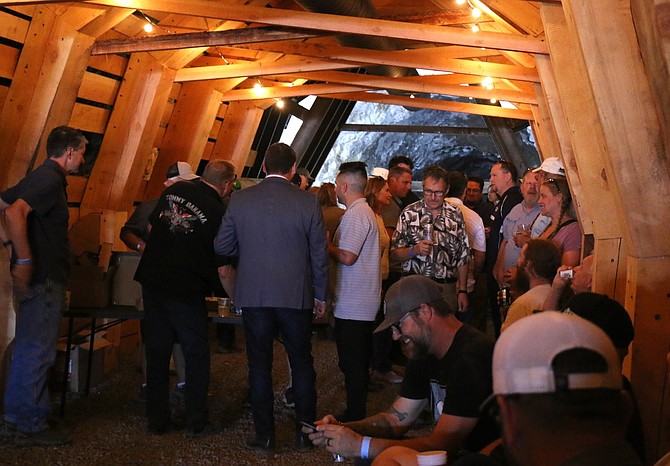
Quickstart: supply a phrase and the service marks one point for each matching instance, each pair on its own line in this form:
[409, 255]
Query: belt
[444, 280]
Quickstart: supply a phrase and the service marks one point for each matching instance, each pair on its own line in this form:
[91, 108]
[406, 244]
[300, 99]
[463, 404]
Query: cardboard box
[90, 286]
[125, 290]
[77, 368]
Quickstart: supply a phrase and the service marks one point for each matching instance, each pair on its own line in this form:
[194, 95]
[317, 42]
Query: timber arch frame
[591, 76]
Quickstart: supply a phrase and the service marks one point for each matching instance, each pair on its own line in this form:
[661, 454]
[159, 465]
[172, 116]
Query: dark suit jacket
[277, 231]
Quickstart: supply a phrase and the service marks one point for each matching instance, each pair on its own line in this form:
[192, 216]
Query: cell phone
[566, 274]
[309, 425]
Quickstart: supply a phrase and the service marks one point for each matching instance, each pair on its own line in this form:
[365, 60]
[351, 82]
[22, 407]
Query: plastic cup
[432, 458]
[224, 305]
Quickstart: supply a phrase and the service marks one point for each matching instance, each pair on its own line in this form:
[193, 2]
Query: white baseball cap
[524, 354]
[551, 165]
[380, 172]
[182, 170]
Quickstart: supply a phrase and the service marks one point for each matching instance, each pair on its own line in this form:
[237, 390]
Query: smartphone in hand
[309, 425]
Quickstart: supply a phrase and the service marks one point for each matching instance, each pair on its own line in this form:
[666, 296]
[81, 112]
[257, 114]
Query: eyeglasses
[397, 327]
[430, 193]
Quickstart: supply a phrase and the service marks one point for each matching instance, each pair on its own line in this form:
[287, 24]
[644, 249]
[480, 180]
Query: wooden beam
[647, 294]
[339, 24]
[257, 69]
[415, 129]
[572, 90]
[42, 94]
[636, 155]
[105, 22]
[428, 58]
[130, 136]
[436, 84]
[187, 132]
[587, 203]
[637, 165]
[200, 39]
[237, 134]
[445, 105]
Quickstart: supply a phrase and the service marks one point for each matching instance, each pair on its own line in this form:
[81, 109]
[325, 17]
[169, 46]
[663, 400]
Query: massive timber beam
[444, 105]
[415, 129]
[417, 84]
[341, 82]
[337, 24]
[293, 65]
[435, 58]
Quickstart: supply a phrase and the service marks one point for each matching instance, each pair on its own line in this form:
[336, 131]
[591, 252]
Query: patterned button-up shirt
[452, 249]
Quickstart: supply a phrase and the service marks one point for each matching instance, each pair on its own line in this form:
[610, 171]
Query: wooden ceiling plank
[340, 24]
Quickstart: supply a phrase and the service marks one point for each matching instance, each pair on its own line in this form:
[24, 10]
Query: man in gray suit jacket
[277, 231]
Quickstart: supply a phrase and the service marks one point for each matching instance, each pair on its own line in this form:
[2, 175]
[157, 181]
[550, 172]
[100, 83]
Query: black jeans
[165, 321]
[295, 326]
[354, 344]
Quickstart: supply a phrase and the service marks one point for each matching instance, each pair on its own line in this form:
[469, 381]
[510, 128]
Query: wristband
[411, 251]
[365, 447]
[24, 261]
[463, 291]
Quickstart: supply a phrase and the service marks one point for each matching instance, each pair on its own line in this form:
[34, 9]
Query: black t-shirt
[509, 199]
[44, 190]
[485, 210]
[458, 383]
[179, 259]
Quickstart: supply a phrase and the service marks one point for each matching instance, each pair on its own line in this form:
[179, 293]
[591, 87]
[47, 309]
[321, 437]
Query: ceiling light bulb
[148, 27]
[280, 103]
[487, 81]
[411, 96]
[258, 89]
[493, 100]
[460, 2]
[476, 12]
[475, 28]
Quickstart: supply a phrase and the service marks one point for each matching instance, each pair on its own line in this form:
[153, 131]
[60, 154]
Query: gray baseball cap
[406, 295]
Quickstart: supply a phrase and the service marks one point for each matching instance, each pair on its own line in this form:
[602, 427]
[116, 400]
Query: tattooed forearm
[397, 414]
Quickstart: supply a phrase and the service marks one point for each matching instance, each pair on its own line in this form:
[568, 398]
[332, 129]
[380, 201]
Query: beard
[416, 347]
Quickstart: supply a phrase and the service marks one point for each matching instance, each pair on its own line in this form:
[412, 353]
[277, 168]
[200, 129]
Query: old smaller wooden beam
[202, 39]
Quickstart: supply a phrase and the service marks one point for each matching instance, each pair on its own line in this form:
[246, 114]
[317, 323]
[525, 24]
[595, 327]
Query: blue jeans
[37, 323]
[295, 326]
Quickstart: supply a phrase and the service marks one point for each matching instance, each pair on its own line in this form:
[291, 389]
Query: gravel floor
[108, 426]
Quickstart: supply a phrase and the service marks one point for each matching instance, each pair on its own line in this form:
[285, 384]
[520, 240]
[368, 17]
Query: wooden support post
[575, 117]
[639, 175]
[237, 133]
[41, 97]
[130, 135]
[187, 132]
[648, 293]
[551, 105]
